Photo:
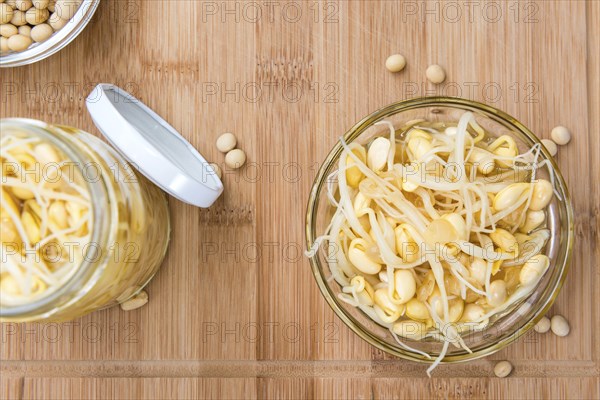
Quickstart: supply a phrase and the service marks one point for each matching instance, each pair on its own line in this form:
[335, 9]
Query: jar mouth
[98, 196]
[319, 264]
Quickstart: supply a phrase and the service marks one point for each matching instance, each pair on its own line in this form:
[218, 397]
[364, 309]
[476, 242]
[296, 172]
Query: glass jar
[507, 326]
[129, 232]
[107, 202]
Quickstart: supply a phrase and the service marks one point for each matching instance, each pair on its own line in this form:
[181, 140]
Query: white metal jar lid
[153, 147]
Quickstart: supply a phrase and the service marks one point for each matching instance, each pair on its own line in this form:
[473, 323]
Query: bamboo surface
[234, 311]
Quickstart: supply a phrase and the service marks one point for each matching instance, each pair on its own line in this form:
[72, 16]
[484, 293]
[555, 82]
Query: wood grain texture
[143, 388]
[234, 312]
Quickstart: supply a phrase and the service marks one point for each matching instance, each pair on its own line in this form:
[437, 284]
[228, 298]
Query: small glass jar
[129, 232]
[108, 209]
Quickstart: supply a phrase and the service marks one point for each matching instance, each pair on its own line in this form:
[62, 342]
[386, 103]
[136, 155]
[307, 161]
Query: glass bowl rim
[355, 132]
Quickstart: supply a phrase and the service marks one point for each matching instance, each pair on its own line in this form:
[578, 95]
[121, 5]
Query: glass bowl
[518, 319]
[61, 38]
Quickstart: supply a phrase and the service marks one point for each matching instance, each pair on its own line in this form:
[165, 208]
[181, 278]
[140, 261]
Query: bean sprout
[45, 221]
[436, 202]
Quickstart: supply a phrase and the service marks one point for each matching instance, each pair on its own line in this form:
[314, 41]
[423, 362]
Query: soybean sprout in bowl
[439, 229]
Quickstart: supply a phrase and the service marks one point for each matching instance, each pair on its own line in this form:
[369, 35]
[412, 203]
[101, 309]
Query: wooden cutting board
[234, 312]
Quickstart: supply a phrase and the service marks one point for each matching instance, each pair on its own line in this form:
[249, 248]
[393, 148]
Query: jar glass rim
[98, 196]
